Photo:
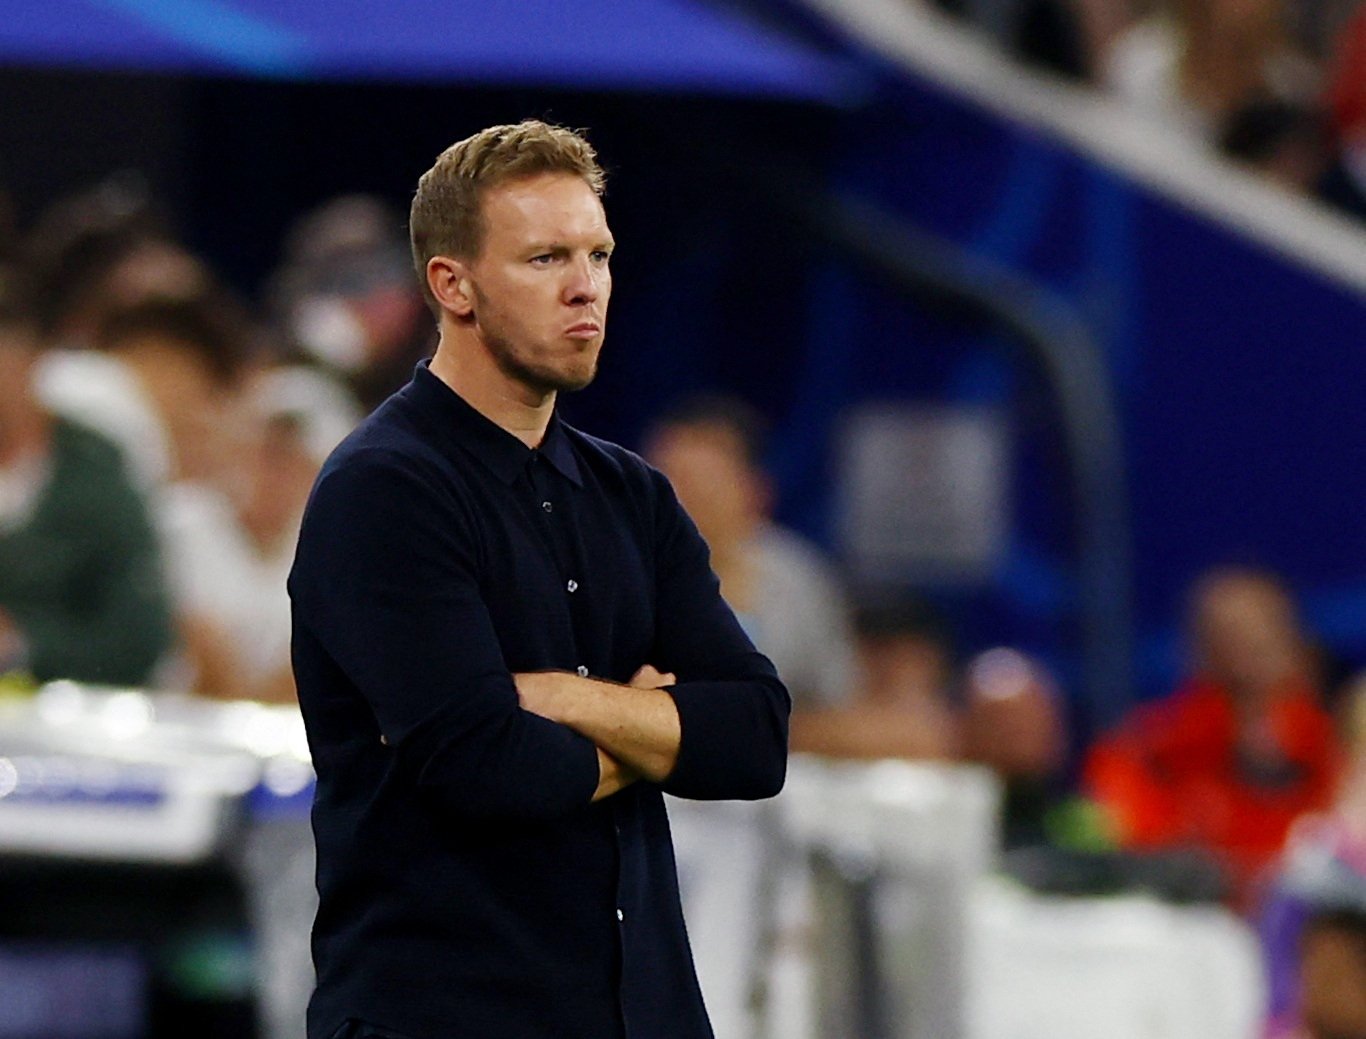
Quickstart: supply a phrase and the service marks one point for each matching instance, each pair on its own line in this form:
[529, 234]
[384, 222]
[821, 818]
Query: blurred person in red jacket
[1242, 747]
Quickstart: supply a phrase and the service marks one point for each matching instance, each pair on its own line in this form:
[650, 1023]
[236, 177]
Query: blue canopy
[681, 45]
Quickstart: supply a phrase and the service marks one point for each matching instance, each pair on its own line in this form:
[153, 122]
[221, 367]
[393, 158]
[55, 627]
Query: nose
[583, 282]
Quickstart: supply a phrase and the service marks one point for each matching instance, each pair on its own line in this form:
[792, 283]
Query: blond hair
[446, 218]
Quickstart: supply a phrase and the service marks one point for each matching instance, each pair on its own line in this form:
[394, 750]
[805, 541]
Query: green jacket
[82, 577]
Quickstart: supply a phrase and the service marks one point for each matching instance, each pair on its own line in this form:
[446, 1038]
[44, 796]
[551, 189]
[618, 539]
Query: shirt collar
[458, 423]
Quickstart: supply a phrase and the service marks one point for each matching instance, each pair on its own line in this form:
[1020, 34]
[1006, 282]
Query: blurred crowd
[1276, 85]
[159, 436]
[1246, 784]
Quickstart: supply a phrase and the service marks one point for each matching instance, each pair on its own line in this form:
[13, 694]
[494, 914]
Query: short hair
[210, 327]
[80, 238]
[1344, 917]
[884, 614]
[446, 218]
[1248, 575]
[724, 412]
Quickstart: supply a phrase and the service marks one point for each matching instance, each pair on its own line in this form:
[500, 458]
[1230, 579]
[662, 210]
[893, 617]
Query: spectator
[1009, 717]
[101, 251]
[1068, 37]
[1333, 973]
[1239, 751]
[81, 592]
[739, 893]
[1344, 186]
[166, 383]
[1314, 925]
[1012, 723]
[1196, 62]
[230, 553]
[162, 384]
[1281, 140]
[346, 296]
[903, 706]
[780, 588]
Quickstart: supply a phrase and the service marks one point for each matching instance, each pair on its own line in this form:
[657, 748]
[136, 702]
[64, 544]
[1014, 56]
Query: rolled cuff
[733, 743]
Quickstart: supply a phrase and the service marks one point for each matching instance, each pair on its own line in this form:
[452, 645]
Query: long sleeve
[386, 580]
[732, 706]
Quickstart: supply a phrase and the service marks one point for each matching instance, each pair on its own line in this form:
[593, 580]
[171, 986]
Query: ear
[450, 282]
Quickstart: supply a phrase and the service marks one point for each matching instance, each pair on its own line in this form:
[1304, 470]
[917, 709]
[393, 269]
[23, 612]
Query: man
[1239, 751]
[81, 589]
[508, 642]
[742, 905]
[786, 595]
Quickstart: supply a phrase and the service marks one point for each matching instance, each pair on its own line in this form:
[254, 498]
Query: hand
[637, 725]
[648, 678]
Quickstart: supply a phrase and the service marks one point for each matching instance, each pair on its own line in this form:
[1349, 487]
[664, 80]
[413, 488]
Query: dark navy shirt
[468, 885]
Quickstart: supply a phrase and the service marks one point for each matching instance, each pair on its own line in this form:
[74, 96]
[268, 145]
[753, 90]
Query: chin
[573, 381]
[577, 375]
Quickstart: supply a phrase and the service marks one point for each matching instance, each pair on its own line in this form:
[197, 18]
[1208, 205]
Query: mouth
[584, 330]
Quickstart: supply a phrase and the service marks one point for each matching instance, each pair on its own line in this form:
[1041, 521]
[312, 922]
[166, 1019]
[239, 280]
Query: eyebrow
[560, 248]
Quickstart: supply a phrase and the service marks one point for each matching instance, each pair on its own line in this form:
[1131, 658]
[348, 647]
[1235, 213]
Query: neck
[464, 363]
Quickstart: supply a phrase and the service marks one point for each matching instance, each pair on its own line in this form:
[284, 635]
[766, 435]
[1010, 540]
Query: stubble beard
[539, 379]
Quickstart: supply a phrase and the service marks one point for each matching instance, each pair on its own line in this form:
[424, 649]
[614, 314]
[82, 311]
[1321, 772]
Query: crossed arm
[635, 727]
[386, 594]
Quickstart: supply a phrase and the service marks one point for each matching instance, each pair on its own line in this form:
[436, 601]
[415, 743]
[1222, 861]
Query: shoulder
[788, 559]
[80, 443]
[788, 549]
[86, 458]
[385, 448]
[99, 392]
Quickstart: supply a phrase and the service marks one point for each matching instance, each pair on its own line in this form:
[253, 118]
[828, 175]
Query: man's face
[541, 281]
[1246, 636]
[713, 480]
[1333, 981]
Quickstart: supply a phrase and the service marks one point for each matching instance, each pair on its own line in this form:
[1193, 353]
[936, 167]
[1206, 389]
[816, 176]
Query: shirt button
[581, 671]
[547, 507]
[620, 916]
[573, 585]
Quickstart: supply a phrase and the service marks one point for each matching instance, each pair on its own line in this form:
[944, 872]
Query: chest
[567, 572]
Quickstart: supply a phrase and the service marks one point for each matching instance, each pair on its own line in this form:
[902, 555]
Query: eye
[543, 260]
[600, 255]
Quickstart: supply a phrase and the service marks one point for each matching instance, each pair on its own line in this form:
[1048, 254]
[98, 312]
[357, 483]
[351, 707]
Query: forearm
[612, 776]
[638, 727]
